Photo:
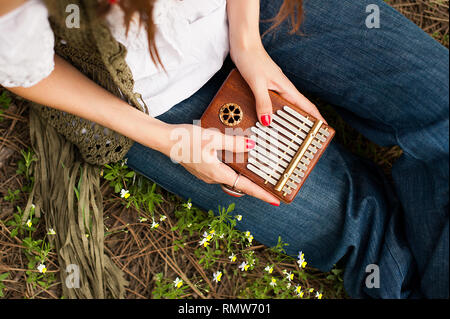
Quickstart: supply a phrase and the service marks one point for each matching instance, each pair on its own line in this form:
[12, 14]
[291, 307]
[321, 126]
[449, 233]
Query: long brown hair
[290, 9]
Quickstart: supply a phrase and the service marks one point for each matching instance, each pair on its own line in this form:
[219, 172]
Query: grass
[166, 247]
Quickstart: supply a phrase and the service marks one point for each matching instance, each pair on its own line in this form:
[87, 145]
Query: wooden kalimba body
[286, 151]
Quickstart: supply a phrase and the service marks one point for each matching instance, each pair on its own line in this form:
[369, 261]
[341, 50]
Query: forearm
[243, 19]
[68, 90]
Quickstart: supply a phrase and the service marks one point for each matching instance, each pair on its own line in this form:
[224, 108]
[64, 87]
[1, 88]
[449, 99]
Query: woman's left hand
[262, 74]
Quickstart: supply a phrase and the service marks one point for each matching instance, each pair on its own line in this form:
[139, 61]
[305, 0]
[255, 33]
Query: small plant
[118, 175]
[144, 196]
[5, 101]
[2, 285]
[12, 195]
[167, 288]
[36, 250]
[336, 277]
[19, 227]
[24, 165]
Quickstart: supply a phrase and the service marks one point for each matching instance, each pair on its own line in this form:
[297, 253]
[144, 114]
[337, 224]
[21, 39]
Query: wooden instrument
[286, 151]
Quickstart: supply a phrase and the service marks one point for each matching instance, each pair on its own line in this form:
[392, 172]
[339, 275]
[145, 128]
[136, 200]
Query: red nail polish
[249, 144]
[275, 204]
[233, 195]
[266, 119]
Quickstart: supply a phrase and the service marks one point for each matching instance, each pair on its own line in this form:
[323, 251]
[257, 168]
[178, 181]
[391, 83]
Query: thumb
[263, 102]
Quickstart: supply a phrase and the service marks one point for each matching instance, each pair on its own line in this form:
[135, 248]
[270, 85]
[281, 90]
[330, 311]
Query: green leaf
[14, 232]
[109, 177]
[130, 174]
[4, 276]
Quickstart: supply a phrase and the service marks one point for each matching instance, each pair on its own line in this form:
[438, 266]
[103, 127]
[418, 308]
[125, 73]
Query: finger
[263, 102]
[247, 186]
[236, 144]
[289, 92]
[202, 177]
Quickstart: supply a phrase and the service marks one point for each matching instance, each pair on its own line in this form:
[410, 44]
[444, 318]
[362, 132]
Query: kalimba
[286, 151]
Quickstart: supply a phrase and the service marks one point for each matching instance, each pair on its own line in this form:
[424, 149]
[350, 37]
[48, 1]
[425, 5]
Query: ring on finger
[232, 190]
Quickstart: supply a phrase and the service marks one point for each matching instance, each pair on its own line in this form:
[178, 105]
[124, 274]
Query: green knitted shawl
[69, 150]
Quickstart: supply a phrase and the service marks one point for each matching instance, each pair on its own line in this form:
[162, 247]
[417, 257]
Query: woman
[391, 83]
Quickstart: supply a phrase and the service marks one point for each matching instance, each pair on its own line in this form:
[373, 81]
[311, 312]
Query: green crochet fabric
[94, 51]
[69, 150]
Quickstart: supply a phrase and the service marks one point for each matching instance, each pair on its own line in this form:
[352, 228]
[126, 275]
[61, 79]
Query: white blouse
[191, 38]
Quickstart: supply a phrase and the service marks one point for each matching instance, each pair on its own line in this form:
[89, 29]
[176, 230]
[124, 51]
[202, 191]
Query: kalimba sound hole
[231, 114]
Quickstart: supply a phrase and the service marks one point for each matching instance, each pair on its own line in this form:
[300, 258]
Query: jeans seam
[395, 260]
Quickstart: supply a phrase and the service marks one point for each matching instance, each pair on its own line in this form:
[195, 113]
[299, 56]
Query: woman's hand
[262, 74]
[196, 149]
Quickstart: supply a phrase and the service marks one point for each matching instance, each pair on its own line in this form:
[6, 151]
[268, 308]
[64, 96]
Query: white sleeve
[26, 45]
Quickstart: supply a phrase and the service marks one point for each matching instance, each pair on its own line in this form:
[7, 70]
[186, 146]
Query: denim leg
[392, 85]
[346, 209]
[341, 211]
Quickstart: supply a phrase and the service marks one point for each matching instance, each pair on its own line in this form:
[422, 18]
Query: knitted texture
[94, 51]
[66, 190]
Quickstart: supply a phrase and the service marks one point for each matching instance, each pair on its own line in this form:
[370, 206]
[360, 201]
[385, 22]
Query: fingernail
[266, 119]
[275, 204]
[249, 144]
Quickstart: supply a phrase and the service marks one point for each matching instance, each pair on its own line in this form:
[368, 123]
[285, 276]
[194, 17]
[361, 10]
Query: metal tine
[298, 115]
[271, 164]
[298, 172]
[264, 168]
[274, 132]
[287, 190]
[324, 132]
[276, 150]
[301, 167]
[312, 149]
[261, 158]
[292, 120]
[295, 147]
[261, 174]
[277, 136]
[309, 155]
[305, 128]
[295, 178]
[316, 143]
[280, 154]
[280, 129]
[305, 160]
[265, 134]
[321, 138]
[289, 126]
[298, 140]
[271, 156]
[291, 184]
[260, 130]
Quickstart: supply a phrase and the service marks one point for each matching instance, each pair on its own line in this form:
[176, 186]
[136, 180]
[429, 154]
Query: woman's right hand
[196, 149]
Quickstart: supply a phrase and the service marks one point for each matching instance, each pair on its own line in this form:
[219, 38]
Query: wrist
[164, 141]
[244, 45]
[156, 135]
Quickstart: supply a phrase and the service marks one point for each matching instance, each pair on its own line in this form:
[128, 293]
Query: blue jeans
[392, 85]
